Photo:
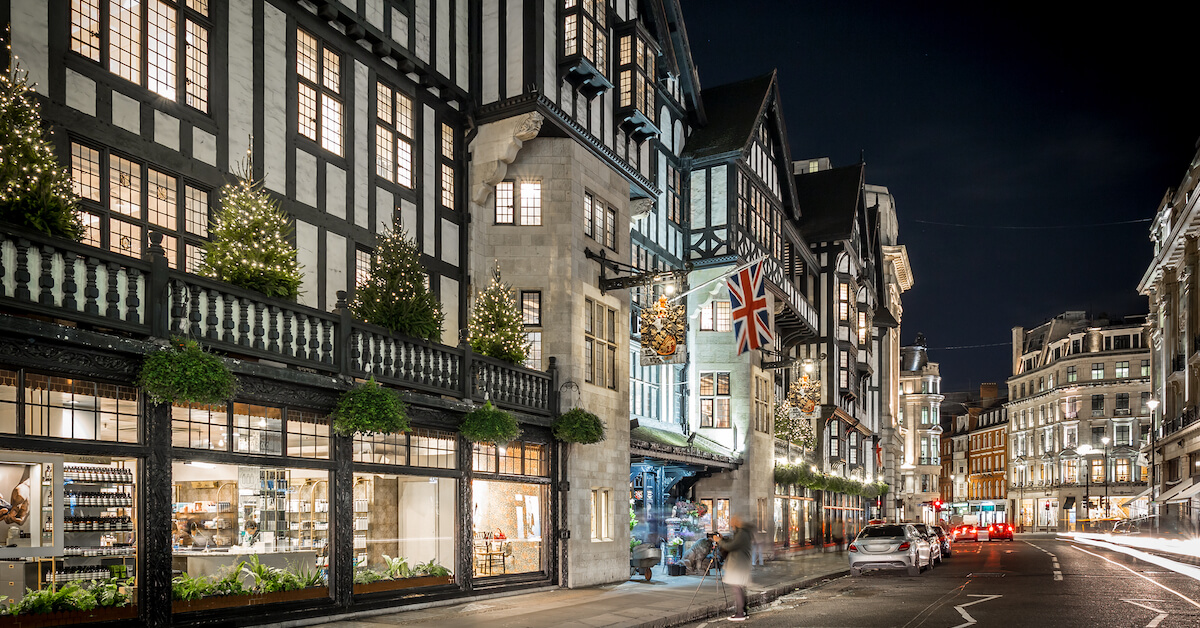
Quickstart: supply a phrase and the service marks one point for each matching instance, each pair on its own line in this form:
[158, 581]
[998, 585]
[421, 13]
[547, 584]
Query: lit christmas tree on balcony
[395, 295]
[250, 247]
[36, 190]
[497, 327]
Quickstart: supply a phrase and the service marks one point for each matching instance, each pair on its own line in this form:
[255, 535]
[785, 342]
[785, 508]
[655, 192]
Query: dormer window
[585, 45]
[636, 70]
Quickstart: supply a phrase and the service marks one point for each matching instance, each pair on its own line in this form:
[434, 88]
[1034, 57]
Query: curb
[756, 599]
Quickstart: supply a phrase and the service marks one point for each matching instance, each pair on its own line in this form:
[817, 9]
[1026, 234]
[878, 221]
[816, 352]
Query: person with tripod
[737, 564]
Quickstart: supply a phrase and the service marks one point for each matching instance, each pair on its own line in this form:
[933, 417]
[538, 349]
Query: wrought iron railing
[87, 286]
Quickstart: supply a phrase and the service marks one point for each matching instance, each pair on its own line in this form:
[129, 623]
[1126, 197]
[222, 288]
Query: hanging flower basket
[370, 409]
[579, 426]
[183, 373]
[489, 424]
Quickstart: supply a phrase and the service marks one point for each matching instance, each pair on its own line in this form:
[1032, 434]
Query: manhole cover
[985, 574]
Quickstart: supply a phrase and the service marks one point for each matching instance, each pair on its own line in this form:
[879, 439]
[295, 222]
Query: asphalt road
[1037, 583]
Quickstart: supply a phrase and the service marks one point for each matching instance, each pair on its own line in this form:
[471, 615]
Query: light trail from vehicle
[1144, 577]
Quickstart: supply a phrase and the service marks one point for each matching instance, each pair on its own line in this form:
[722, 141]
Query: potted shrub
[489, 424]
[186, 374]
[71, 603]
[579, 426]
[370, 409]
[396, 574]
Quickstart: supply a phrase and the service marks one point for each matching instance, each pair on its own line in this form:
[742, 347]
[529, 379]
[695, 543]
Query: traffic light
[937, 505]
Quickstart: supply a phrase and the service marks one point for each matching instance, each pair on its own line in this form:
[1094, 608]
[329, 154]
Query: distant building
[1078, 410]
[974, 457]
[920, 434]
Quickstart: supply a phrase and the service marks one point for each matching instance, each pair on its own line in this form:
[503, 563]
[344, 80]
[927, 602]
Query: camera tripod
[720, 581]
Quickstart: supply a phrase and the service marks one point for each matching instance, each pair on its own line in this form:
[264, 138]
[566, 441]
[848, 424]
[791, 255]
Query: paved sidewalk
[662, 602]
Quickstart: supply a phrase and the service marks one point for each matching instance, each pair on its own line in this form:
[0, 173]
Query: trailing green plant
[396, 296]
[370, 408]
[184, 373]
[430, 568]
[69, 597]
[35, 187]
[579, 426]
[803, 475]
[489, 424]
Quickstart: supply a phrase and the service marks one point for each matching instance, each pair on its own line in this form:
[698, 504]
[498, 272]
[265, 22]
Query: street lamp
[1153, 405]
[1085, 451]
[1106, 440]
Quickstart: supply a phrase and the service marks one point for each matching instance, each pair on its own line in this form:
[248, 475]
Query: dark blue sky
[1030, 127]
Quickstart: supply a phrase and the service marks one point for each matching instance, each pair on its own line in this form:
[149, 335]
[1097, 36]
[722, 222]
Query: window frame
[399, 126]
[323, 93]
[714, 419]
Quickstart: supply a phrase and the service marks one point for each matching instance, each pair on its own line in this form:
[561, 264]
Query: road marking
[1177, 567]
[1055, 565]
[1153, 622]
[1058, 575]
[1151, 581]
[961, 608]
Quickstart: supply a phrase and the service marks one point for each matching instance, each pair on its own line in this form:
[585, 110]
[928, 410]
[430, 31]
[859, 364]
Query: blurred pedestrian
[737, 564]
[839, 534]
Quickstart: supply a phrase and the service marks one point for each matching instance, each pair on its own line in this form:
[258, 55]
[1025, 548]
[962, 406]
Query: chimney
[989, 391]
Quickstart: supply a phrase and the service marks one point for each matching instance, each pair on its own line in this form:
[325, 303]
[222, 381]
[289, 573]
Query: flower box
[403, 583]
[227, 601]
[69, 617]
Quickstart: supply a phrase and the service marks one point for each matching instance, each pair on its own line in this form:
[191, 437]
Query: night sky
[1012, 139]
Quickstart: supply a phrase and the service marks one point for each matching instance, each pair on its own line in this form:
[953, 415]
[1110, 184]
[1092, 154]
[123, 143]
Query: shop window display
[403, 531]
[244, 529]
[507, 518]
[74, 409]
[69, 521]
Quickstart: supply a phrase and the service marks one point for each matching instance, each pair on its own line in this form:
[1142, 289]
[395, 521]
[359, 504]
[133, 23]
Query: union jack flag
[748, 308]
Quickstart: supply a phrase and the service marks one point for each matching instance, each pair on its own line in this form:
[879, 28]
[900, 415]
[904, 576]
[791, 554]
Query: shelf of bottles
[308, 517]
[362, 507]
[98, 523]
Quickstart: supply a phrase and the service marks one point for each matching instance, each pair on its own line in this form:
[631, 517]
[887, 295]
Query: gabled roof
[733, 112]
[829, 202]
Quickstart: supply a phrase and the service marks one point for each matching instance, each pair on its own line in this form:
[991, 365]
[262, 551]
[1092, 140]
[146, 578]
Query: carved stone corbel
[527, 128]
[639, 208]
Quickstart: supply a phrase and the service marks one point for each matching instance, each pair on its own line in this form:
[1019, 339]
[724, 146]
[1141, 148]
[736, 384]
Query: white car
[890, 546]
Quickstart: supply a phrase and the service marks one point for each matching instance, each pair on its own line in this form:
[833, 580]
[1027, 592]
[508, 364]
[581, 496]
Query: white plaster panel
[449, 298]
[514, 36]
[30, 24]
[166, 130]
[335, 267]
[400, 28]
[81, 93]
[491, 52]
[422, 30]
[127, 113]
[550, 47]
[306, 178]
[429, 144]
[462, 53]
[443, 37]
[408, 217]
[449, 242]
[720, 205]
[204, 146]
[374, 11]
[306, 254]
[335, 191]
[385, 210]
[362, 132]
[275, 96]
[241, 105]
[699, 188]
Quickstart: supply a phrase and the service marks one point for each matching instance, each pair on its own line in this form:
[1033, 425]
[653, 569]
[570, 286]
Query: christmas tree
[395, 296]
[249, 246]
[497, 327]
[36, 192]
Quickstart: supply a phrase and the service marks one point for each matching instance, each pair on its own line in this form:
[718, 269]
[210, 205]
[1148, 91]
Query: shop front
[797, 524]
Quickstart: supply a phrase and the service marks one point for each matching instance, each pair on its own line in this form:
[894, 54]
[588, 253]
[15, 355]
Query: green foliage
[367, 576]
[395, 296]
[396, 568]
[70, 597]
[185, 374]
[489, 424]
[797, 430]
[804, 475]
[185, 588]
[370, 408]
[250, 245]
[35, 192]
[497, 326]
[111, 593]
[430, 568]
[579, 426]
[229, 580]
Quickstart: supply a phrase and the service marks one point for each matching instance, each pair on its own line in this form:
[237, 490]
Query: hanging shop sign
[664, 329]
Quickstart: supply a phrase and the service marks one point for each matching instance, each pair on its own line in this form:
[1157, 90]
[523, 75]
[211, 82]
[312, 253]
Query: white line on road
[1154, 582]
[961, 608]
[1057, 574]
[1153, 622]
[1177, 567]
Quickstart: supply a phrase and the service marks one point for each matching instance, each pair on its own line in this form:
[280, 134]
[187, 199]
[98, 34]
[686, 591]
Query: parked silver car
[935, 544]
[890, 546]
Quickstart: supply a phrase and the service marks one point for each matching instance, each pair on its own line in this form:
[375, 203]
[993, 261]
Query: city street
[1035, 582]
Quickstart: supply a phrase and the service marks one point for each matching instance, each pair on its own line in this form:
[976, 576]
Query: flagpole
[718, 278]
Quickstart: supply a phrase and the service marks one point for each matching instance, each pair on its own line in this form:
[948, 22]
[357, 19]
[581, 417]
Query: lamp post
[1153, 405]
[1106, 440]
[1085, 450]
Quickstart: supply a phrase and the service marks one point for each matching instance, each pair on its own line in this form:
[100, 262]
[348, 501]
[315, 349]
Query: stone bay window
[585, 45]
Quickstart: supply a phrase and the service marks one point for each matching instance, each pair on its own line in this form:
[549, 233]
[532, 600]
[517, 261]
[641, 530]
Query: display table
[209, 563]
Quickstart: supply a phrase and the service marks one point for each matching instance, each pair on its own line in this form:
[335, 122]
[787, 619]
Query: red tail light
[853, 547]
[903, 546]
